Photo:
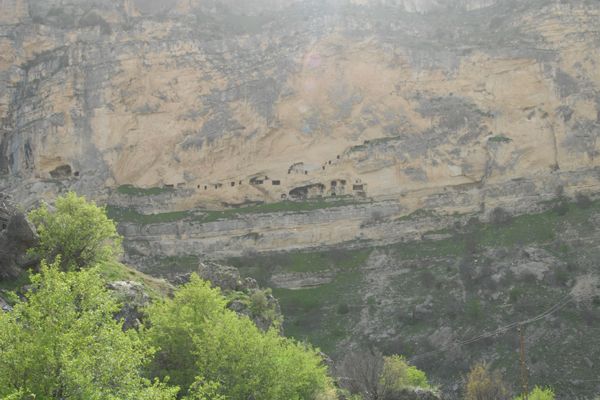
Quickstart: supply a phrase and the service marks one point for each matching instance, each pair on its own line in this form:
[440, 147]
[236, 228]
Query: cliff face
[357, 98]
[384, 122]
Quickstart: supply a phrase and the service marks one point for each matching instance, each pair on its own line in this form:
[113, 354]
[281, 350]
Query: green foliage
[482, 384]
[112, 271]
[258, 302]
[78, 231]
[261, 307]
[18, 395]
[397, 374]
[136, 191]
[198, 336]
[258, 305]
[131, 215]
[202, 390]
[500, 139]
[63, 343]
[538, 393]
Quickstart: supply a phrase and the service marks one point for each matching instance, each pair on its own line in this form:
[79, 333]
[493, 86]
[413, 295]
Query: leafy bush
[259, 303]
[482, 384]
[197, 336]
[500, 139]
[78, 231]
[375, 377]
[343, 309]
[63, 343]
[397, 374]
[538, 393]
[500, 216]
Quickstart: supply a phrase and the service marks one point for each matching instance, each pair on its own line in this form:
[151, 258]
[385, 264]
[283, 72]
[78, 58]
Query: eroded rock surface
[134, 298]
[16, 237]
[263, 100]
[415, 117]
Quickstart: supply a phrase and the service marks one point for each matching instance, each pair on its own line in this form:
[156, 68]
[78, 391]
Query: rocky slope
[330, 147]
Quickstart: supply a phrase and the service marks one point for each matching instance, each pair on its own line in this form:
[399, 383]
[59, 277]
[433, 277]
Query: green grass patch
[299, 261]
[130, 215]
[131, 190]
[313, 314]
[282, 206]
[520, 230]
[174, 264]
[538, 228]
[454, 246]
[115, 271]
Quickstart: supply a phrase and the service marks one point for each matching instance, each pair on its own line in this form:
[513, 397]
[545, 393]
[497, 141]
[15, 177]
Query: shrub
[373, 376]
[78, 231]
[258, 302]
[500, 216]
[500, 139]
[197, 336]
[482, 384]
[427, 278]
[62, 342]
[398, 374]
[343, 309]
[360, 373]
[561, 207]
[582, 200]
[538, 393]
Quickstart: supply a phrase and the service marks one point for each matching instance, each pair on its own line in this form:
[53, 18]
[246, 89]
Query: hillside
[404, 173]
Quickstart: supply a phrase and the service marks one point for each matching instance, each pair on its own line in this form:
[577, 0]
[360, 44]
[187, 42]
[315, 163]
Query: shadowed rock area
[17, 235]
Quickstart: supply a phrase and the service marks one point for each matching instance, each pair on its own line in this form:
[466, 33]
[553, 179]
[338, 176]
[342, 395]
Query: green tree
[482, 384]
[76, 230]
[197, 336]
[539, 393]
[398, 375]
[376, 377]
[63, 343]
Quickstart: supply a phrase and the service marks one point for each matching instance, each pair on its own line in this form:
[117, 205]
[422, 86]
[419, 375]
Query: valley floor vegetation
[62, 339]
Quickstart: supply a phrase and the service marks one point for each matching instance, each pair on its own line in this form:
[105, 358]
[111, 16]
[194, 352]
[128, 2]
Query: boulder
[134, 298]
[17, 236]
[223, 276]
[4, 306]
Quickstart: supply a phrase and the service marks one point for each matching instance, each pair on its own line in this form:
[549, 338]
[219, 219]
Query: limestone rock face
[233, 101]
[17, 235]
[403, 119]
